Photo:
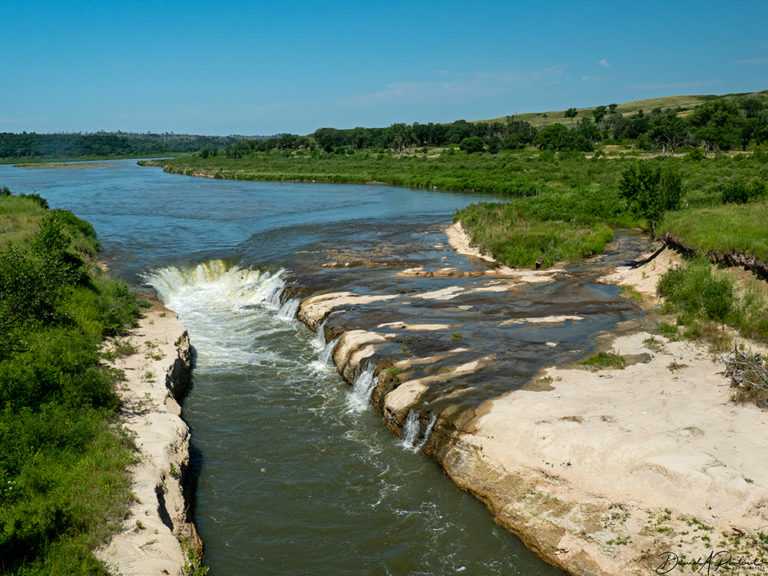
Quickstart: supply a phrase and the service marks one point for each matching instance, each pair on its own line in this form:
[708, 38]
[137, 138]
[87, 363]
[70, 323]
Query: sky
[268, 67]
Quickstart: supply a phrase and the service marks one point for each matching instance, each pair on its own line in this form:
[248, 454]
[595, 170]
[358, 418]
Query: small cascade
[324, 350]
[318, 342]
[413, 440]
[288, 309]
[365, 382]
[326, 355]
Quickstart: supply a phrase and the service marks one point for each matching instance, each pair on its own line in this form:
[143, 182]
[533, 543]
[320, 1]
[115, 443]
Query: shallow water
[296, 475]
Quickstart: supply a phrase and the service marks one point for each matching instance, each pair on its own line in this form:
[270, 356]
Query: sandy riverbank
[624, 471]
[156, 375]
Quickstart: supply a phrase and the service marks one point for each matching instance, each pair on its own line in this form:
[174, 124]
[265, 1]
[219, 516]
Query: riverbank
[157, 536]
[627, 471]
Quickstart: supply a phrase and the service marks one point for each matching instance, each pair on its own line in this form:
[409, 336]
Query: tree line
[719, 124]
[33, 146]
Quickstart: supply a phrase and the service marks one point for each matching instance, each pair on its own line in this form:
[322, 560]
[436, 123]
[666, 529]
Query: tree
[718, 124]
[599, 113]
[669, 130]
[472, 144]
[571, 113]
[651, 192]
[398, 136]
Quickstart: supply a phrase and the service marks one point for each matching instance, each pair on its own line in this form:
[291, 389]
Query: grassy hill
[684, 104]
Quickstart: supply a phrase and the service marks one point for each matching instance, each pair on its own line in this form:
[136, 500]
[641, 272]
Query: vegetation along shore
[69, 469]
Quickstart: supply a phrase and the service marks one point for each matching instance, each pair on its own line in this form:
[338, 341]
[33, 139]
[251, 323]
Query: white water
[324, 361]
[412, 438]
[229, 304]
[360, 397]
[297, 475]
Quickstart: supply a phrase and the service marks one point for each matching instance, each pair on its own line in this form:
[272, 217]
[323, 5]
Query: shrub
[472, 144]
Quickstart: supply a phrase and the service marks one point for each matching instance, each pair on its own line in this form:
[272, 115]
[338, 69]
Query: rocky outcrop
[157, 536]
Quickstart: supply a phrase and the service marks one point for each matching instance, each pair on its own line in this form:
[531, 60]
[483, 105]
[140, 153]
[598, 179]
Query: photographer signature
[716, 561]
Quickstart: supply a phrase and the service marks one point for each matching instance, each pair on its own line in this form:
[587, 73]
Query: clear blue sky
[258, 67]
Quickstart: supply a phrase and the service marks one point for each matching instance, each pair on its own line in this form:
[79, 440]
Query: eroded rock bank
[634, 471]
[157, 536]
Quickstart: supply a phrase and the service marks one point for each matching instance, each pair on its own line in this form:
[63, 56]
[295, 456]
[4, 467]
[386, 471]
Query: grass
[515, 240]
[704, 300]
[63, 481]
[605, 360]
[18, 220]
[726, 228]
[684, 103]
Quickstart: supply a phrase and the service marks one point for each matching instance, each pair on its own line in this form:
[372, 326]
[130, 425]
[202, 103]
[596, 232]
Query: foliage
[472, 144]
[651, 192]
[62, 463]
[39, 147]
[602, 360]
[741, 193]
[700, 296]
[695, 292]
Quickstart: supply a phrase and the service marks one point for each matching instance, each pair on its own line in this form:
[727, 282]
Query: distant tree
[398, 136]
[612, 108]
[459, 130]
[651, 192]
[718, 124]
[752, 107]
[599, 113]
[669, 130]
[494, 144]
[472, 144]
[552, 137]
[559, 137]
[571, 113]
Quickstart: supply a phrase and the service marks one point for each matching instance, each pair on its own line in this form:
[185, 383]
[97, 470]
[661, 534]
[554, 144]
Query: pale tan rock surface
[149, 541]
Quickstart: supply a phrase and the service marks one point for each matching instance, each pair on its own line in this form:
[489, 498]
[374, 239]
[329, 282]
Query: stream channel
[295, 471]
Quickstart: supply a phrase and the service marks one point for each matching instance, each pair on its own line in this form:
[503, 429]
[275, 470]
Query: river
[295, 474]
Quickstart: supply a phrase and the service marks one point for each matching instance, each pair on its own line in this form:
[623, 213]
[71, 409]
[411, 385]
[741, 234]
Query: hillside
[684, 104]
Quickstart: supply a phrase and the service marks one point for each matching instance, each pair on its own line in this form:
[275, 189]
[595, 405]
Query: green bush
[695, 292]
[741, 193]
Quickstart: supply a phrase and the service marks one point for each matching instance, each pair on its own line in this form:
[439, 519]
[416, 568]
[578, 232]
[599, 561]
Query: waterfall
[229, 286]
[412, 431]
[324, 350]
[360, 397]
[319, 340]
[288, 309]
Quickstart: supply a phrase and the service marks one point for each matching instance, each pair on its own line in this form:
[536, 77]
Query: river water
[295, 472]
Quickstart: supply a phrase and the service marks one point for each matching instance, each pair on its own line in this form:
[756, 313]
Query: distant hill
[683, 104]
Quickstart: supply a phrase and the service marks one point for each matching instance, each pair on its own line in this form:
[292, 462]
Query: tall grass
[63, 480]
[516, 239]
[726, 228]
[705, 300]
